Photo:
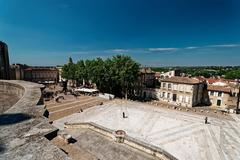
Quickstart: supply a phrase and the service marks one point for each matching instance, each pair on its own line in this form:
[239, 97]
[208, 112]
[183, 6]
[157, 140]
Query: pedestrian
[123, 114]
[206, 120]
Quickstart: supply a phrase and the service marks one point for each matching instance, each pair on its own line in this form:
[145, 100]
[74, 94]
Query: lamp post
[238, 97]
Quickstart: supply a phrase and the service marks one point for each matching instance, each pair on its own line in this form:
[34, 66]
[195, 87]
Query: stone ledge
[23, 127]
[132, 142]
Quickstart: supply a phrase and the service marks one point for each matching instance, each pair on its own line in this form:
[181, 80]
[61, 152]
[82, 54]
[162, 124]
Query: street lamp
[238, 97]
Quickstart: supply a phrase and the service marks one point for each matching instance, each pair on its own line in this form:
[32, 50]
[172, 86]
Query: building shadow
[8, 119]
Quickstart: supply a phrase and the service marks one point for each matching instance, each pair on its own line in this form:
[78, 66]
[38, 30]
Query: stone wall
[23, 126]
[10, 93]
[11, 89]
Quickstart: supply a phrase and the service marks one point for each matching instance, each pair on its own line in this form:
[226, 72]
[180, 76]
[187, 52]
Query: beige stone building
[146, 84]
[222, 97]
[169, 74]
[41, 74]
[182, 91]
[219, 96]
[146, 78]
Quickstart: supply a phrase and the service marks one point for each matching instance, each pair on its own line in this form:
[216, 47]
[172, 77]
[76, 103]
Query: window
[211, 93]
[183, 99]
[181, 88]
[163, 94]
[164, 85]
[219, 94]
[168, 95]
[188, 88]
[234, 94]
[169, 86]
[180, 98]
[175, 87]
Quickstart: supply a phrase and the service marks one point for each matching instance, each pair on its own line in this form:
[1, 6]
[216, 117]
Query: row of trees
[229, 72]
[116, 75]
[234, 74]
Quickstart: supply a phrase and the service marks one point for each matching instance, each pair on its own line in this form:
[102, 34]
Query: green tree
[117, 75]
[80, 73]
[126, 73]
[69, 70]
[234, 74]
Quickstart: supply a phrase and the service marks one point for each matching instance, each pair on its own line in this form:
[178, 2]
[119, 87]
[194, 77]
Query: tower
[4, 61]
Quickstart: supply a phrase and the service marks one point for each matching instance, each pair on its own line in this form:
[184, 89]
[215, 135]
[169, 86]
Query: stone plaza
[182, 134]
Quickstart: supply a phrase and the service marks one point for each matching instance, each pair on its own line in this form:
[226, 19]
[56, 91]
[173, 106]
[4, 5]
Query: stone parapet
[132, 142]
[23, 127]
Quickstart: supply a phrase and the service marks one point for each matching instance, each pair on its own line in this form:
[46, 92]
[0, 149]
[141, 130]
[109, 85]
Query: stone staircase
[68, 107]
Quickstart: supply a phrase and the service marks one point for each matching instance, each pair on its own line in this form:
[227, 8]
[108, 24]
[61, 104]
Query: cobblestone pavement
[184, 135]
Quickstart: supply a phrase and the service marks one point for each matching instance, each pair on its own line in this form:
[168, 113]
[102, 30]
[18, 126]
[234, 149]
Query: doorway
[174, 97]
[219, 102]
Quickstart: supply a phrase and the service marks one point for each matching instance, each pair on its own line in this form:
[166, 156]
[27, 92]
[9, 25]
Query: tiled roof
[184, 80]
[219, 88]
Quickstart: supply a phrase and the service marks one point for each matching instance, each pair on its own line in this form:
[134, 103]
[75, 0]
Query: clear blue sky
[153, 32]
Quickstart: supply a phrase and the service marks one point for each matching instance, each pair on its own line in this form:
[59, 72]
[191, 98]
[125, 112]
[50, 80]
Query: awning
[87, 90]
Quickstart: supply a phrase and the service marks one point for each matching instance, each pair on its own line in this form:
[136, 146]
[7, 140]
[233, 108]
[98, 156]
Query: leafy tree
[234, 74]
[117, 75]
[69, 70]
[126, 72]
[80, 73]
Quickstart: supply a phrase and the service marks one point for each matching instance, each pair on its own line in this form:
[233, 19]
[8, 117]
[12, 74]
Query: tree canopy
[234, 74]
[116, 75]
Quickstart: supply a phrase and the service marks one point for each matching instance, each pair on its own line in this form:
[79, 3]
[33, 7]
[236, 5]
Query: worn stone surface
[98, 146]
[7, 101]
[23, 126]
[182, 134]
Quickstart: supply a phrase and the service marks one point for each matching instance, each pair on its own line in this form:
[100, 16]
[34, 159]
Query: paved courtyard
[91, 145]
[184, 135]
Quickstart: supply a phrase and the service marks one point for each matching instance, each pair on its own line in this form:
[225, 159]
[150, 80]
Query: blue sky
[153, 32]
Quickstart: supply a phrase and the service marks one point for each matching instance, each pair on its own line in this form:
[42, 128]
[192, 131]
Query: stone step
[66, 102]
[65, 112]
[68, 105]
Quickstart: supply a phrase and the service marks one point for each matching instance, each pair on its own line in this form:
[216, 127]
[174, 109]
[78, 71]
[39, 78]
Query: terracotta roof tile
[219, 88]
[184, 80]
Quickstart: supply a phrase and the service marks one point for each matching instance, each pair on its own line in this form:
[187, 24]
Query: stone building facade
[146, 78]
[182, 91]
[41, 74]
[223, 97]
[17, 71]
[145, 83]
[169, 74]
